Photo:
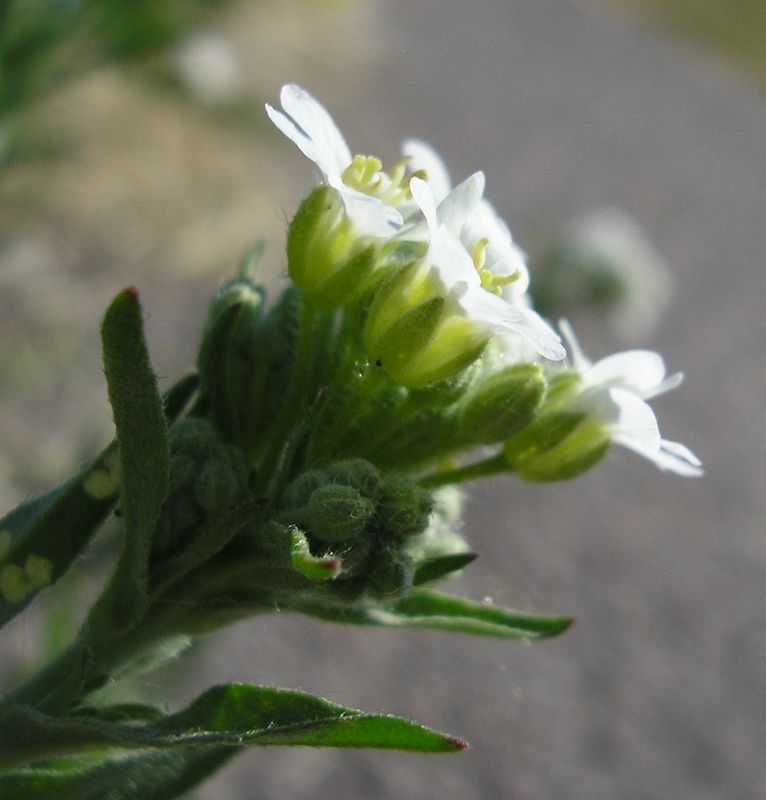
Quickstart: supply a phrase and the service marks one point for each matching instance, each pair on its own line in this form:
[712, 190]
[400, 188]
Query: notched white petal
[461, 202]
[636, 425]
[636, 369]
[371, 217]
[332, 152]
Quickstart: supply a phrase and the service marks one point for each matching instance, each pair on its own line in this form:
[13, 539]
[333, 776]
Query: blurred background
[134, 150]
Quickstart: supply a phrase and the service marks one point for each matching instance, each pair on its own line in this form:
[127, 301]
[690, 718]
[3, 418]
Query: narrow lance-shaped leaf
[432, 569]
[428, 609]
[151, 775]
[41, 538]
[143, 445]
[235, 714]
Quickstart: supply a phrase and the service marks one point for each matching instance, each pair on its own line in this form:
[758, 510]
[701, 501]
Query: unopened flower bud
[226, 353]
[404, 508]
[297, 493]
[356, 472]
[390, 574]
[335, 512]
[502, 404]
[207, 480]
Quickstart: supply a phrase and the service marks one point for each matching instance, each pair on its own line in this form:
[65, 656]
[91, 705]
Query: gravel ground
[658, 691]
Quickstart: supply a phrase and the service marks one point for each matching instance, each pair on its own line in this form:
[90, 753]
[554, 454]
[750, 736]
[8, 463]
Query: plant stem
[470, 472]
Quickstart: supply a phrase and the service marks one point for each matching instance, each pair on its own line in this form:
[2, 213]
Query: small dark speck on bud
[378, 362]
[458, 744]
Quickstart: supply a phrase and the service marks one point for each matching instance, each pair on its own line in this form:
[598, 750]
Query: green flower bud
[557, 446]
[326, 258]
[335, 512]
[207, 480]
[404, 509]
[226, 356]
[296, 494]
[502, 404]
[390, 574]
[356, 472]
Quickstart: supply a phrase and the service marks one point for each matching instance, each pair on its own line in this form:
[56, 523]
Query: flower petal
[579, 360]
[312, 129]
[423, 157]
[371, 217]
[678, 458]
[635, 426]
[502, 317]
[641, 370]
[455, 209]
[450, 262]
[424, 197]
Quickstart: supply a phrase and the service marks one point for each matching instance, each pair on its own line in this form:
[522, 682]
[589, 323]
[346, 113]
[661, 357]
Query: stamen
[363, 174]
[490, 281]
[479, 255]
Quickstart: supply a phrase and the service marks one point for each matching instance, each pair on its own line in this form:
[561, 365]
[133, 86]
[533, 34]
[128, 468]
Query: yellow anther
[479, 256]
[490, 281]
[363, 174]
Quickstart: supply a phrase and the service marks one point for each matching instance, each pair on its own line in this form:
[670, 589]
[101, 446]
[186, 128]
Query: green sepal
[142, 438]
[334, 512]
[233, 714]
[251, 263]
[501, 404]
[557, 446]
[406, 338]
[424, 608]
[226, 356]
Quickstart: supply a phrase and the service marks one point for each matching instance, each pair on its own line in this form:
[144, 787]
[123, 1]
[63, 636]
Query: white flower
[471, 217]
[455, 271]
[615, 390]
[312, 129]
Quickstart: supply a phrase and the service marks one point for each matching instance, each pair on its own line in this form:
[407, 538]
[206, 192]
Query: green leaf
[433, 569]
[154, 656]
[428, 609]
[152, 775]
[425, 608]
[235, 714]
[144, 457]
[41, 538]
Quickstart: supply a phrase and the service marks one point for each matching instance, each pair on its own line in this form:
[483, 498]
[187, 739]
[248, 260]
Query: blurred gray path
[659, 691]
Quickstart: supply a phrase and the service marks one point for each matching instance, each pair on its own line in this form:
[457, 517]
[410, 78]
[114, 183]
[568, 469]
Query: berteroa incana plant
[311, 463]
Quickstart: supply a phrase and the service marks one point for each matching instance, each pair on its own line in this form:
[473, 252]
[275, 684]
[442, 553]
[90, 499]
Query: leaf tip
[456, 743]
[132, 293]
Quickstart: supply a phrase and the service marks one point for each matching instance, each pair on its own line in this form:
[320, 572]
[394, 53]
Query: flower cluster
[432, 275]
